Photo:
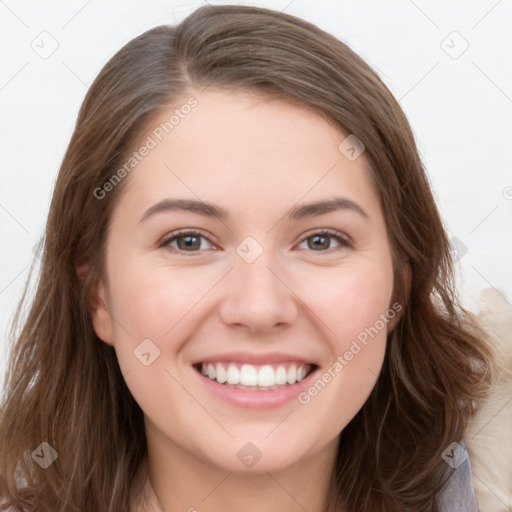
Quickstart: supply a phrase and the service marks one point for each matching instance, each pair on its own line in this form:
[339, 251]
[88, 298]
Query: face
[261, 293]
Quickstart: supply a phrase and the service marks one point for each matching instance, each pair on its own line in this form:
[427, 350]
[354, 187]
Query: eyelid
[344, 240]
[183, 232]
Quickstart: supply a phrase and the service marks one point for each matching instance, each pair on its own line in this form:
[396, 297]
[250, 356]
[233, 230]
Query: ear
[98, 307]
[408, 279]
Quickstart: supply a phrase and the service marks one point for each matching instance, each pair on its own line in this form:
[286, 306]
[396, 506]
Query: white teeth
[292, 374]
[281, 376]
[222, 376]
[233, 375]
[248, 375]
[266, 376]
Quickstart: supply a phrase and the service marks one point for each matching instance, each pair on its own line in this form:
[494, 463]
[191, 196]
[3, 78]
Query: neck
[178, 481]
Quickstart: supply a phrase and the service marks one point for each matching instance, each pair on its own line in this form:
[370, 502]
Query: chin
[255, 454]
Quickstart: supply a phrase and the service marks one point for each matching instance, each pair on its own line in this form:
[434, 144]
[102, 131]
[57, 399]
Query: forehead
[245, 147]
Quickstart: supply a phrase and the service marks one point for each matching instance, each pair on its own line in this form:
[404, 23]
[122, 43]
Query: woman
[246, 300]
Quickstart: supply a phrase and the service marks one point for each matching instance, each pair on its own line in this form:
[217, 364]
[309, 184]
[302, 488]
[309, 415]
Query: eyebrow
[298, 212]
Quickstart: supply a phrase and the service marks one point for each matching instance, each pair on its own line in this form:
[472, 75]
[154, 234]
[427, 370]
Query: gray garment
[459, 496]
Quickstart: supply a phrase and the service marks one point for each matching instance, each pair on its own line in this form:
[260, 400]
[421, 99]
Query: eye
[320, 241]
[187, 241]
[190, 241]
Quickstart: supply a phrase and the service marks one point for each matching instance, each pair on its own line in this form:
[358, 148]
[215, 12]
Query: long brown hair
[64, 385]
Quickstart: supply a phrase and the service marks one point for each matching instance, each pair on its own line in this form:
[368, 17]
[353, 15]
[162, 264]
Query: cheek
[153, 310]
[364, 312]
[159, 304]
[350, 306]
[349, 301]
[153, 300]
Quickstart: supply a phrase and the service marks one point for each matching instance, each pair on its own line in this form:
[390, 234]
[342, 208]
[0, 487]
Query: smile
[249, 376]
[262, 385]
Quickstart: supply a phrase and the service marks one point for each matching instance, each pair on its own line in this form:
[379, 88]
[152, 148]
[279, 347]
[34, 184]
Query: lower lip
[256, 399]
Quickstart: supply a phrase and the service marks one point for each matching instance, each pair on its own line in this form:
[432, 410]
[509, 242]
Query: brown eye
[187, 241]
[321, 241]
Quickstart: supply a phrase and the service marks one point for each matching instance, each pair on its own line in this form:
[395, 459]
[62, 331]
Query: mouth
[252, 377]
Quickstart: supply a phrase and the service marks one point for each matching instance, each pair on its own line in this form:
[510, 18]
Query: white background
[460, 109]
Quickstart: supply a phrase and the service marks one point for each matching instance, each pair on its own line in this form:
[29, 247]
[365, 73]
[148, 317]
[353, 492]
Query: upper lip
[255, 359]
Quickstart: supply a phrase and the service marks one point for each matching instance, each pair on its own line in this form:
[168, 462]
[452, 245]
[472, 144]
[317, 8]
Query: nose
[257, 295]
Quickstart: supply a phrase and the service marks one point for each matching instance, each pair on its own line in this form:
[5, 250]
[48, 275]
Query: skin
[257, 159]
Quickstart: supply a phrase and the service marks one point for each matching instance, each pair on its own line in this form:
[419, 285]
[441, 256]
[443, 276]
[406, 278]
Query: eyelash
[344, 242]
